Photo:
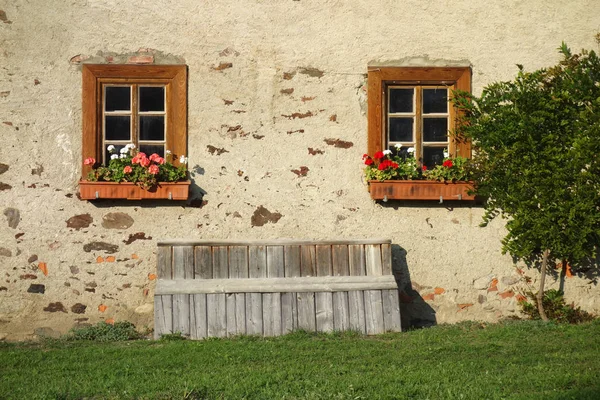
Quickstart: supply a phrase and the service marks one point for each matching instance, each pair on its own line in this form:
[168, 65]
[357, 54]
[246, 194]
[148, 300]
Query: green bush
[556, 308]
[103, 332]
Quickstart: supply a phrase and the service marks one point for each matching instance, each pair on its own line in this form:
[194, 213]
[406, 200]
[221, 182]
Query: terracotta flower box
[130, 191]
[420, 190]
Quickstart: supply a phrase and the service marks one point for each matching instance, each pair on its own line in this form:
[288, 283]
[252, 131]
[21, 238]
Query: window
[409, 106]
[141, 104]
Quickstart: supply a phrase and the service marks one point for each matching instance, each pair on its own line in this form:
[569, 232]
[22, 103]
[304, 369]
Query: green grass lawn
[522, 360]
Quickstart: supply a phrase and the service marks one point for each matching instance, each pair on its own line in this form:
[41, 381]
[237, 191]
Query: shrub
[103, 332]
[556, 308]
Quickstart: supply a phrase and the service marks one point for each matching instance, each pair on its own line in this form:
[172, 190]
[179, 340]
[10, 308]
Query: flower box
[420, 190]
[130, 191]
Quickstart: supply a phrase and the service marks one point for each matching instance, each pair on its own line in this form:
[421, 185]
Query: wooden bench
[220, 288]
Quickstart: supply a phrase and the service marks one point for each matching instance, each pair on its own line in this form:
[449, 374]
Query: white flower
[183, 159]
[167, 151]
[398, 146]
[124, 150]
[123, 156]
[410, 150]
[110, 148]
[114, 156]
[386, 152]
[446, 154]
[130, 146]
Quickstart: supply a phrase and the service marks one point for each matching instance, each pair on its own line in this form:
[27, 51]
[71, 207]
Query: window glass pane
[401, 100]
[150, 149]
[107, 154]
[152, 98]
[118, 98]
[117, 127]
[401, 129]
[152, 127]
[435, 129]
[433, 156]
[435, 101]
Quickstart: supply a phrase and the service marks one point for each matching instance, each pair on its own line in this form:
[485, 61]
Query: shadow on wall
[414, 311]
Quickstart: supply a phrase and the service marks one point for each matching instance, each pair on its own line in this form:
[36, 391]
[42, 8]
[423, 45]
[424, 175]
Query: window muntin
[418, 117]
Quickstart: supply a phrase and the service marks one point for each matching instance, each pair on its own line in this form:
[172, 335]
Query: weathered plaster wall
[277, 100]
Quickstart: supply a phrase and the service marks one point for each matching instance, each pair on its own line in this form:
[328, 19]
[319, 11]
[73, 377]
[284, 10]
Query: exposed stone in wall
[312, 72]
[117, 220]
[78, 222]
[37, 170]
[298, 115]
[5, 252]
[13, 216]
[101, 246]
[78, 308]
[302, 171]
[222, 66]
[4, 18]
[4, 186]
[262, 216]
[287, 91]
[55, 307]
[3, 168]
[36, 288]
[137, 236]
[342, 144]
[215, 151]
[313, 152]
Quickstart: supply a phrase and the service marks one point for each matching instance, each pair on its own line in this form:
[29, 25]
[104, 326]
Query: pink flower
[153, 169]
[160, 160]
[144, 161]
[90, 161]
[127, 170]
[154, 157]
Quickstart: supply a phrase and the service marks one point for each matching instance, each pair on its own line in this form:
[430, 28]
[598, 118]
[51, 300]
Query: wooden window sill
[130, 191]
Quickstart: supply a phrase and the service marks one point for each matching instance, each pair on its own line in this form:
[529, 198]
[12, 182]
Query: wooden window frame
[94, 76]
[455, 78]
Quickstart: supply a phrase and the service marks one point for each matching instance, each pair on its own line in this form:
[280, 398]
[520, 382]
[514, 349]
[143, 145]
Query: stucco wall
[294, 96]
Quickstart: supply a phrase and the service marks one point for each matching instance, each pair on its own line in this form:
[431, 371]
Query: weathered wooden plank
[386, 258]
[163, 315]
[324, 311]
[181, 314]
[374, 312]
[271, 314]
[357, 260]
[216, 312]
[341, 316]
[356, 311]
[306, 311]
[220, 262]
[238, 262]
[163, 263]
[275, 260]
[268, 242]
[271, 285]
[203, 262]
[324, 267]
[308, 261]
[292, 261]
[198, 317]
[340, 260]
[257, 261]
[373, 260]
[231, 314]
[254, 314]
[391, 311]
[289, 313]
[183, 262]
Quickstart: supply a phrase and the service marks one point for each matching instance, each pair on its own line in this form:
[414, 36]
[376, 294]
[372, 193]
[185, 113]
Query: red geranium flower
[369, 161]
[448, 164]
[424, 168]
[379, 155]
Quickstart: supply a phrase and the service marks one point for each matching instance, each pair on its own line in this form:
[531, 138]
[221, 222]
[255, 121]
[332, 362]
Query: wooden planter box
[420, 190]
[130, 191]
